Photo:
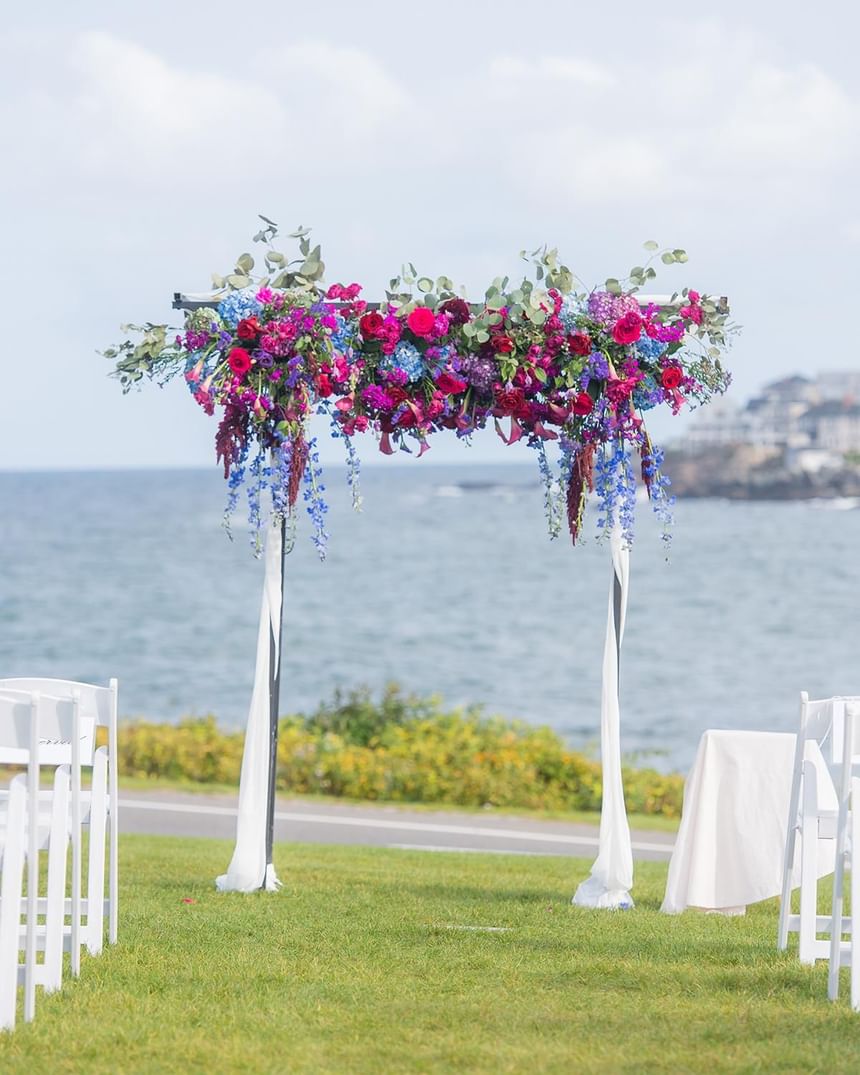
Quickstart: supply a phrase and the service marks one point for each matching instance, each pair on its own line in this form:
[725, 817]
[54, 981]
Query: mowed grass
[363, 964]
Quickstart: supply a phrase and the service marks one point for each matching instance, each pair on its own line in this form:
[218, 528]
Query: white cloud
[510, 72]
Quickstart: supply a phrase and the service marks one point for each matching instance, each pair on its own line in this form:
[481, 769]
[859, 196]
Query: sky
[141, 140]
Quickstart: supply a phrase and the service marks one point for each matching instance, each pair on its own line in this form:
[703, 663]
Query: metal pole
[274, 702]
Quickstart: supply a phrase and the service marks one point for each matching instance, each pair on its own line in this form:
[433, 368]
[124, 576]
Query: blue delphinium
[353, 464]
[313, 497]
[234, 485]
[259, 474]
[615, 485]
[661, 500]
[552, 508]
[238, 305]
[282, 458]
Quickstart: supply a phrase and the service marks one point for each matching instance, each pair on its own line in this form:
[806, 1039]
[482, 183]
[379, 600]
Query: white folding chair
[27, 728]
[847, 846]
[14, 815]
[96, 808]
[811, 817]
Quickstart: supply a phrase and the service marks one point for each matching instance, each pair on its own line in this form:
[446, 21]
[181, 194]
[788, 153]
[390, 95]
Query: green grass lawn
[361, 965]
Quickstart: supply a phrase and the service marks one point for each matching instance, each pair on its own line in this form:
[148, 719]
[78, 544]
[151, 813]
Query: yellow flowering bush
[403, 749]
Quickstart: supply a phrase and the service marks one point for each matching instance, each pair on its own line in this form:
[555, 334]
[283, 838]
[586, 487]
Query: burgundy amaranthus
[298, 461]
[581, 479]
[231, 437]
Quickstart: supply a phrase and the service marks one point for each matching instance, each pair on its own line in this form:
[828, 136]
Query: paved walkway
[175, 814]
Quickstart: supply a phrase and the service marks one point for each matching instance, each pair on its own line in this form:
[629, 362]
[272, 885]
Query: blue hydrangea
[407, 358]
[343, 336]
[569, 312]
[238, 305]
[651, 349]
[647, 394]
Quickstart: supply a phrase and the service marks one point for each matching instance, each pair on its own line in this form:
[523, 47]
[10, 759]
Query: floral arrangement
[546, 361]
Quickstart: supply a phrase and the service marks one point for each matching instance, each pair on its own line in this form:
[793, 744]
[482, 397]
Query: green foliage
[403, 748]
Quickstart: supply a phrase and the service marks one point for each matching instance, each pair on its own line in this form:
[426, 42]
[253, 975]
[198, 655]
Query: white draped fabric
[248, 870]
[731, 843]
[612, 873]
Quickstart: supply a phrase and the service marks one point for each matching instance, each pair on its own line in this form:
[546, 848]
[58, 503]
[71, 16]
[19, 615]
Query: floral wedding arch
[546, 361]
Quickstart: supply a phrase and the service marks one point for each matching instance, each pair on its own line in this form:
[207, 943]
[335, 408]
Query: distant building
[810, 420]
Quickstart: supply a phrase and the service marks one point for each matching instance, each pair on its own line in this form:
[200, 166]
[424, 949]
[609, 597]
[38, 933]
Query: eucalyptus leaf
[482, 336]
[668, 258]
[266, 220]
[425, 283]
[238, 280]
[651, 245]
[244, 263]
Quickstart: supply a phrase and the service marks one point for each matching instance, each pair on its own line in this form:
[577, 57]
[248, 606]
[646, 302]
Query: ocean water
[446, 582]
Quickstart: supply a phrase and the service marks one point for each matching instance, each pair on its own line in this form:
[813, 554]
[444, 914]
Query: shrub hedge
[402, 748]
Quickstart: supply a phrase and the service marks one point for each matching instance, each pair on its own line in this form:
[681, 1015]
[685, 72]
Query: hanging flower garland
[541, 360]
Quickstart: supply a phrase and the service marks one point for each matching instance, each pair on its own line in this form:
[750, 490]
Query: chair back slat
[96, 702]
[55, 724]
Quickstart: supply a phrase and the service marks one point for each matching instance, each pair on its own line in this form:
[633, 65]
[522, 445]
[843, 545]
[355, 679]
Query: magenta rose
[627, 329]
[421, 321]
[449, 384]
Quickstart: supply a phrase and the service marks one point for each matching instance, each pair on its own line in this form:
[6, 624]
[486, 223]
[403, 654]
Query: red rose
[396, 394]
[371, 325]
[421, 321]
[510, 400]
[502, 344]
[582, 404]
[457, 309]
[248, 329]
[449, 384]
[628, 328]
[407, 419]
[239, 361]
[671, 377]
[579, 344]
[324, 386]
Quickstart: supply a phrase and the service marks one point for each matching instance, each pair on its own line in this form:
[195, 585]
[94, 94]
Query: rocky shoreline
[751, 472]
